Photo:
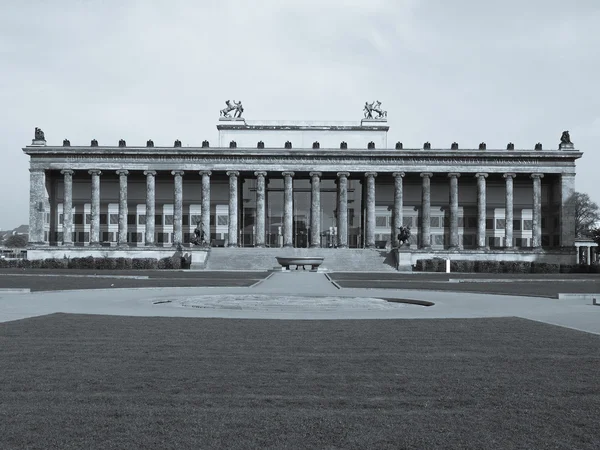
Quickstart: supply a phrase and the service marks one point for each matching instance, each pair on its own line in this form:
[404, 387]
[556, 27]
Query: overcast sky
[469, 71]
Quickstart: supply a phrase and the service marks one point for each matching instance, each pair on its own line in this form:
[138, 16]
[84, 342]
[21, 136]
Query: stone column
[426, 210]
[177, 207]
[508, 210]
[536, 241]
[233, 208]
[288, 209]
[397, 216]
[567, 210]
[259, 239]
[315, 210]
[151, 206]
[370, 225]
[205, 209]
[342, 215]
[68, 207]
[122, 235]
[95, 226]
[588, 255]
[37, 202]
[454, 245]
[481, 209]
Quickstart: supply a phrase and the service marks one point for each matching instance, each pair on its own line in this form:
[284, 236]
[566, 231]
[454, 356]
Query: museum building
[303, 185]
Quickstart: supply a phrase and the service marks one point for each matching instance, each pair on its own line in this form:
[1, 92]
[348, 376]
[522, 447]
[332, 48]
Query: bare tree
[587, 214]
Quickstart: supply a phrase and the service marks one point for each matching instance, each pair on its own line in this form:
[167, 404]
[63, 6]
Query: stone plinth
[404, 260]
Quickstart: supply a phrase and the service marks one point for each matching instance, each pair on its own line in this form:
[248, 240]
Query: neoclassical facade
[303, 185]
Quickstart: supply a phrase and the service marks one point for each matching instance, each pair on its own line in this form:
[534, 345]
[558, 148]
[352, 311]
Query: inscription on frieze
[359, 159]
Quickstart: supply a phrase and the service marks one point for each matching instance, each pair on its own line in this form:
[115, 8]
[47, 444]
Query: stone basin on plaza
[313, 261]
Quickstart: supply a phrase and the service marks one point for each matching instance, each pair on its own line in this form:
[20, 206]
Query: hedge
[105, 263]
[462, 266]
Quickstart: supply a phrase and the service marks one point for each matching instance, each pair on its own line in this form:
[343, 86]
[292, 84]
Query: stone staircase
[336, 260]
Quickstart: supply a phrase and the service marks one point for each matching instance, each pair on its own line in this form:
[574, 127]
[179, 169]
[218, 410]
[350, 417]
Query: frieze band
[304, 160]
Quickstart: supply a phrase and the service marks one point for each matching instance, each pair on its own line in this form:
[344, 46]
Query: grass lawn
[81, 381]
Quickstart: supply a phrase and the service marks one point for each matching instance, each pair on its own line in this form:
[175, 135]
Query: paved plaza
[527, 296]
[171, 364]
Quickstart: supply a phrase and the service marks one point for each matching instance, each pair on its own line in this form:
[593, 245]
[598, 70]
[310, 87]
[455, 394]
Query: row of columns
[481, 209]
[397, 218]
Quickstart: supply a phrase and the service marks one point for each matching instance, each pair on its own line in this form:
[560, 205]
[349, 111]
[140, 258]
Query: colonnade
[342, 207]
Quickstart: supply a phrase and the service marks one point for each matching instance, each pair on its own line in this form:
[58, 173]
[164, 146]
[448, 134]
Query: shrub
[165, 263]
[144, 263]
[36, 263]
[540, 267]
[123, 263]
[487, 266]
[53, 263]
[105, 263]
[521, 267]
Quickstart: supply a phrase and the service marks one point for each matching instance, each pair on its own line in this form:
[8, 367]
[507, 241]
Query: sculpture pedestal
[235, 120]
[404, 259]
[566, 147]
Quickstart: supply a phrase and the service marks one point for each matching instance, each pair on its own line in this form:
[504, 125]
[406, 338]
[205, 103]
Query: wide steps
[336, 260]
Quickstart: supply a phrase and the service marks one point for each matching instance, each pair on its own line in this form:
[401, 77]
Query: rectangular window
[60, 219]
[489, 224]
[114, 219]
[78, 219]
[500, 224]
[47, 218]
[520, 242]
[528, 225]
[187, 237]
[517, 225]
[86, 237]
[435, 222]
[131, 220]
[222, 220]
[88, 219]
[471, 222]
[468, 240]
[381, 221]
[137, 237]
[195, 219]
[461, 221]
[142, 219]
[162, 238]
[438, 239]
[58, 236]
[108, 236]
[103, 218]
[494, 242]
[158, 219]
[543, 223]
[168, 219]
[185, 220]
[556, 241]
[407, 221]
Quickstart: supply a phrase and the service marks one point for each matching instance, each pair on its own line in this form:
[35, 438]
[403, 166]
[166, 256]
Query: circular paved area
[577, 313]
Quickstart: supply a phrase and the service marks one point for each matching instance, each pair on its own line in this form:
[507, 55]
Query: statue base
[232, 119]
[404, 260]
[566, 147]
[373, 122]
[38, 142]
